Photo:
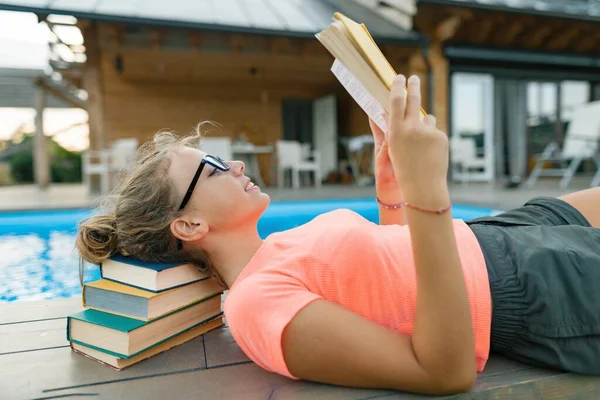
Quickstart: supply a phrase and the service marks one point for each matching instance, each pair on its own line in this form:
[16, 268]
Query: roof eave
[509, 9]
[413, 38]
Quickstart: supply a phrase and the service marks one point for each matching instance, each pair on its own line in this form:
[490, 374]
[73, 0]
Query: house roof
[299, 18]
[573, 9]
[21, 65]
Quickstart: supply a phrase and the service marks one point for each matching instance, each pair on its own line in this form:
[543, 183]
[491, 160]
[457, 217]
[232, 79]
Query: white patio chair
[581, 143]
[463, 156]
[357, 148]
[218, 146]
[122, 155]
[96, 162]
[292, 156]
[106, 163]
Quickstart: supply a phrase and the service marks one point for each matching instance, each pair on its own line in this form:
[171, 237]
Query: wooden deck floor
[36, 363]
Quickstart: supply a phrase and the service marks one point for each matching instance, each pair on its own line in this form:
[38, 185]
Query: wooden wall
[142, 81]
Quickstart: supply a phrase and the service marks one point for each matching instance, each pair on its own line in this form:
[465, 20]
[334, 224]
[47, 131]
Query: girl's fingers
[413, 106]
[398, 98]
[386, 118]
[430, 121]
[377, 132]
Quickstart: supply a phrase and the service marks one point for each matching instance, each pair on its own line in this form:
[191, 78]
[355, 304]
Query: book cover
[119, 322]
[217, 315]
[155, 277]
[363, 40]
[143, 264]
[158, 291]
[360, 65]
[119, 364]
[128, 301]
[106, 284]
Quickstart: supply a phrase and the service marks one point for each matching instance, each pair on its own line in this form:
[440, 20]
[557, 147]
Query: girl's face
[224, 200]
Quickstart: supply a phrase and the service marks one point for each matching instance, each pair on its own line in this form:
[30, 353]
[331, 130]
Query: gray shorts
[543, 262]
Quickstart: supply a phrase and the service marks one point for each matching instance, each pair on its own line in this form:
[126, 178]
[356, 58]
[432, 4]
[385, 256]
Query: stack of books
[138, 310]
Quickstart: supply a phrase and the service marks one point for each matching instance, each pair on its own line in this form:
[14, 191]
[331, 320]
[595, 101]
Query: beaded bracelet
[400, 205]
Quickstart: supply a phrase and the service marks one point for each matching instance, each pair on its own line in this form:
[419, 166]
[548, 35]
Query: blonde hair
[135, 219]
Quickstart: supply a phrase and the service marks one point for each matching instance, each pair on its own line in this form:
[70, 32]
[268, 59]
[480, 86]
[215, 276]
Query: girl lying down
[414, 303]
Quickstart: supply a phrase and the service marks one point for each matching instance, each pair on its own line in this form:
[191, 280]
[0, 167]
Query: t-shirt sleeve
[258, 309]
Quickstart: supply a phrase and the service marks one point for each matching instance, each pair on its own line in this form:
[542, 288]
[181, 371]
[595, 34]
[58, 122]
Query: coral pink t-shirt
[343, 258]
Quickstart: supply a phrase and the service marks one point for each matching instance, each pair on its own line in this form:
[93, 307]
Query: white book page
[358, 92]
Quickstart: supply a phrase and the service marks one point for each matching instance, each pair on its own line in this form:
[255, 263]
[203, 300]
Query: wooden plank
[247, 381]
[59, 371]
[565, 38]
[499, 365]
[27, 375]
[507, 35]
[221, 348]
[23, 311]
[480, 30]
[536, 384]
[537, 36]
[30, 336]
[60, 91]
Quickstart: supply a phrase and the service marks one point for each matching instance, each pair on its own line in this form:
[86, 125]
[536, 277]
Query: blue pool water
[38, 259]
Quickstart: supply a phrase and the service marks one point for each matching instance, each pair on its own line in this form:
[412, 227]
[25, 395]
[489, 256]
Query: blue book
[150, 276]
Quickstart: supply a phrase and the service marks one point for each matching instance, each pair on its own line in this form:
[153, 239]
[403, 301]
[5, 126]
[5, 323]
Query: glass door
[550, 107]
[473, 119]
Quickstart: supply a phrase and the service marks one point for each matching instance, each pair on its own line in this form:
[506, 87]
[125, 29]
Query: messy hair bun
[97, 238]
[135, 219]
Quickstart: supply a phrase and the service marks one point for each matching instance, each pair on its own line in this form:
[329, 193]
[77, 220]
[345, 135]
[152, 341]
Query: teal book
[150, 276]
[125, 337]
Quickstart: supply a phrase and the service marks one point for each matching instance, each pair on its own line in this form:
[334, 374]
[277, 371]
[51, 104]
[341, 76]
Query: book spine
[68, 329]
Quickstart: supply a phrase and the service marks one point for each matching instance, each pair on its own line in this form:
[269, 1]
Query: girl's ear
[188, 230]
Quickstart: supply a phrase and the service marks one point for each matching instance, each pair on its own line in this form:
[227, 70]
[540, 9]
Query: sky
[21, 31]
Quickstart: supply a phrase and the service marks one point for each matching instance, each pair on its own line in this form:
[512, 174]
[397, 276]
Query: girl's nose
[238, 167]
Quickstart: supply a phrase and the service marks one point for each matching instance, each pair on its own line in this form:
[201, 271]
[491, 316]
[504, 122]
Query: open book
[360, 66]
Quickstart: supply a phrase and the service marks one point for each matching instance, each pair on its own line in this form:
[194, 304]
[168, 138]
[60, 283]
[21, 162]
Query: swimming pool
[38, 260]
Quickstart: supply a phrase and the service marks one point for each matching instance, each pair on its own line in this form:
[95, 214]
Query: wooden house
[254, 67]
[506, 73]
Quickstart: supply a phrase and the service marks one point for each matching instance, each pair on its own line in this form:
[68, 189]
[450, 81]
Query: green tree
[65, 165]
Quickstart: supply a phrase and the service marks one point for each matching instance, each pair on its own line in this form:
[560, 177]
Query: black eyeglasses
[214, 161]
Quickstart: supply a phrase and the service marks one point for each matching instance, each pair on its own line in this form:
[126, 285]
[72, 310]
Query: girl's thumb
[383, 149]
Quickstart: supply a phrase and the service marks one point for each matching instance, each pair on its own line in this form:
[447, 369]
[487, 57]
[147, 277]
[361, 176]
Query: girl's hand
[417, 149]
[384, 170]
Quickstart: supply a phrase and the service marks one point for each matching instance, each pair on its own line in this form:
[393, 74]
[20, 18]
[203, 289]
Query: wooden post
[41, 164]
[417, 66]
[92, 83]
[439, 66]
